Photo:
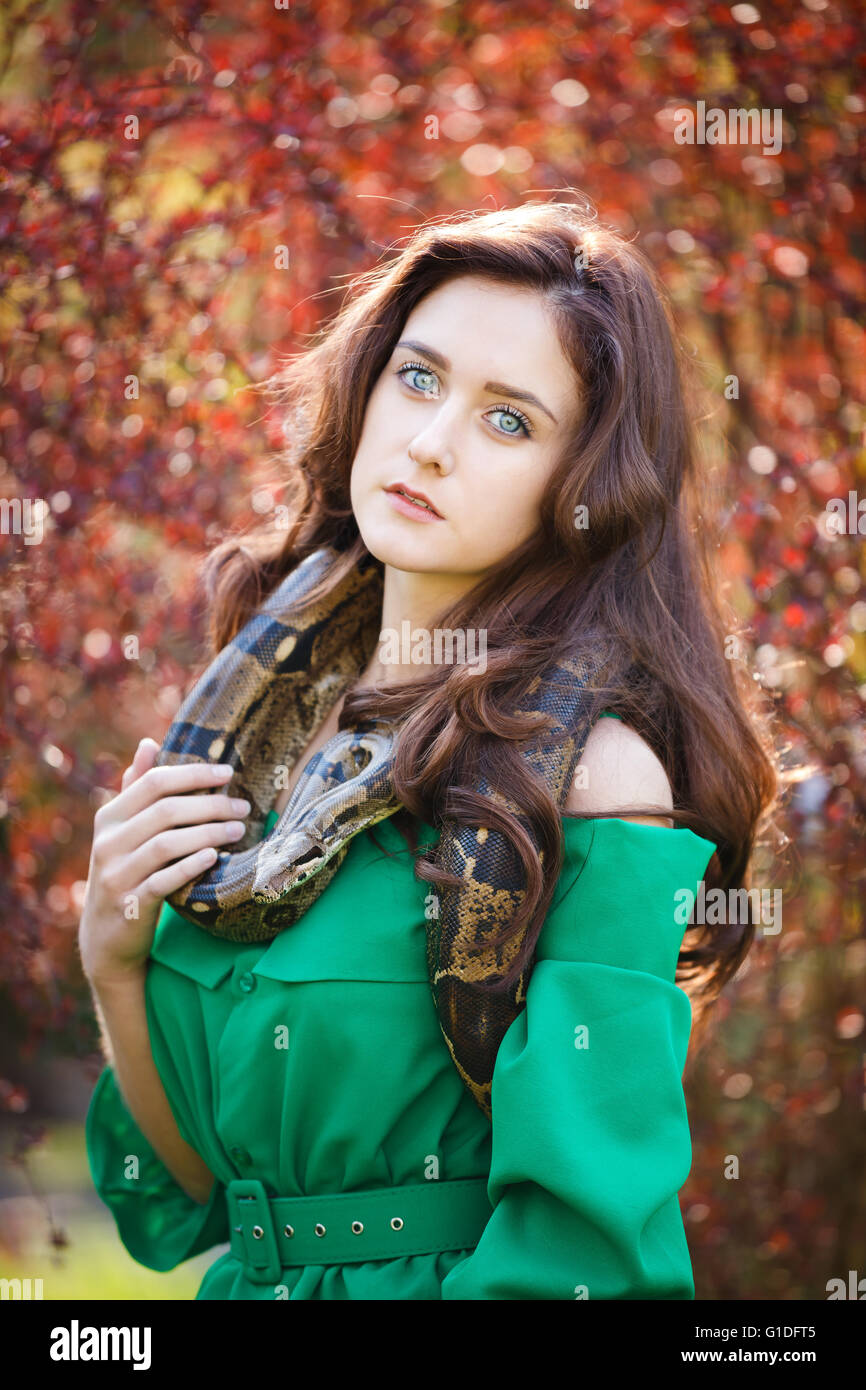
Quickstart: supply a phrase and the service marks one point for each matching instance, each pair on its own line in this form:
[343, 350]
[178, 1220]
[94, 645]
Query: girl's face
[472, 410]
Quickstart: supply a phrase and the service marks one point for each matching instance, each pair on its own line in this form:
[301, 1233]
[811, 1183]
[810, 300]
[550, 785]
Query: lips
[416, 497]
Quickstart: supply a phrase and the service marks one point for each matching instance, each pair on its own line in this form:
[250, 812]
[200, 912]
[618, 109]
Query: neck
[417, 599]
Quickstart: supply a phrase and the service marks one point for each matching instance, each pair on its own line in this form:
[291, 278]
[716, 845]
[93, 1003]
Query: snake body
[256, 707]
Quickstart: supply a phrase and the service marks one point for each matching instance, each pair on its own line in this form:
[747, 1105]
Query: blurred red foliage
[186, 189]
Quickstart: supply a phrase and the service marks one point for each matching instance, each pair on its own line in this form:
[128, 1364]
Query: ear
[618, 772]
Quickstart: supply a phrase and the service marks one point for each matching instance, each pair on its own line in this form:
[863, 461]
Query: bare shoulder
[618, 772]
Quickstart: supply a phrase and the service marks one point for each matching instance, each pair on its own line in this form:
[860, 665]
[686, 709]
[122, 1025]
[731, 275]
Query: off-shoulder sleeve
[159, 1224]
[590, 1134]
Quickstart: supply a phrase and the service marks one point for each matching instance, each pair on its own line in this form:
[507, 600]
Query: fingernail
[241, 805]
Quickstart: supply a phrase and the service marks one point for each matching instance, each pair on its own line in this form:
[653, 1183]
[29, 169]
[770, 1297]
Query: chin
[392, 546]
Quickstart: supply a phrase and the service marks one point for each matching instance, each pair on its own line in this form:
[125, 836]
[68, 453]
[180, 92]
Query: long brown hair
[634, 588]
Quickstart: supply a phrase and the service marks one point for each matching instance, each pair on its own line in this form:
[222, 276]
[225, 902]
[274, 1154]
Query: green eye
[417, 367]
[523, 425]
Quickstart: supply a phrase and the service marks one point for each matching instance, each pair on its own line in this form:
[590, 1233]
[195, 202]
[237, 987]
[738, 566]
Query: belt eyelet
[320, 1229]
[357, 1227]
[396, 1223]
[257, 1232]
[289, 1230]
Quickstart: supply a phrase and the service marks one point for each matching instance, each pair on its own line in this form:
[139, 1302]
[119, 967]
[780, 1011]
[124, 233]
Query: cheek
[380, 424]
[511, 506]
[383, 403]
[367, 455]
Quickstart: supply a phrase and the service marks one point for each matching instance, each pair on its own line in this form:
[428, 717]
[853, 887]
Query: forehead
[491, 330]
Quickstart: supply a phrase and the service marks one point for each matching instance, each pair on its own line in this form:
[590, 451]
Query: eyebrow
[497, 386]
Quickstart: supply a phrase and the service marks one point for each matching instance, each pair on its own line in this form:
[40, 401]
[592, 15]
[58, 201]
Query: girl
[494, 432]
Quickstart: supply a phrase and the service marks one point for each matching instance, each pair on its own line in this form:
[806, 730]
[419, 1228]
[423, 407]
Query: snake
[256, 706]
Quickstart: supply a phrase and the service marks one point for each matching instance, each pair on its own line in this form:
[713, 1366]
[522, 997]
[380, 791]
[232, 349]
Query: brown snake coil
[256, 707]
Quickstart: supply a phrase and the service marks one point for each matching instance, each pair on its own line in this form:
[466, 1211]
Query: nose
[433, 445]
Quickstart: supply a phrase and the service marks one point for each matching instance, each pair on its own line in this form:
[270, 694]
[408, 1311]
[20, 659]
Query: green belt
[270, 1233]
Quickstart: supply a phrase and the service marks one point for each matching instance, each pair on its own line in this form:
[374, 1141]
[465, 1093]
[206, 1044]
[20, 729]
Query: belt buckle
[250, 1216]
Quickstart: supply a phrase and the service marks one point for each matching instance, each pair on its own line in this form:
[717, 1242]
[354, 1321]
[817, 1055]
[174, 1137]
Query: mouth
[412, 503]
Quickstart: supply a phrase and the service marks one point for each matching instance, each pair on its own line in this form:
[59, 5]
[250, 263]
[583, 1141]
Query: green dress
[589, 1145]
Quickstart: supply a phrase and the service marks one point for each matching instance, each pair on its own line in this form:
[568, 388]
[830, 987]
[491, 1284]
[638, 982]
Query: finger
[143, 788]
[164, 817]
[160, 884]
[138, 765]
[160, 852]
[142, 759]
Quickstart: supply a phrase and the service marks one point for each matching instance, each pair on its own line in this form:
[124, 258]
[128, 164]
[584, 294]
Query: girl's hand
[151, 822]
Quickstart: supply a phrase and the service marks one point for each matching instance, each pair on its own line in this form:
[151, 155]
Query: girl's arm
[120, 1010]
[148, 840]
